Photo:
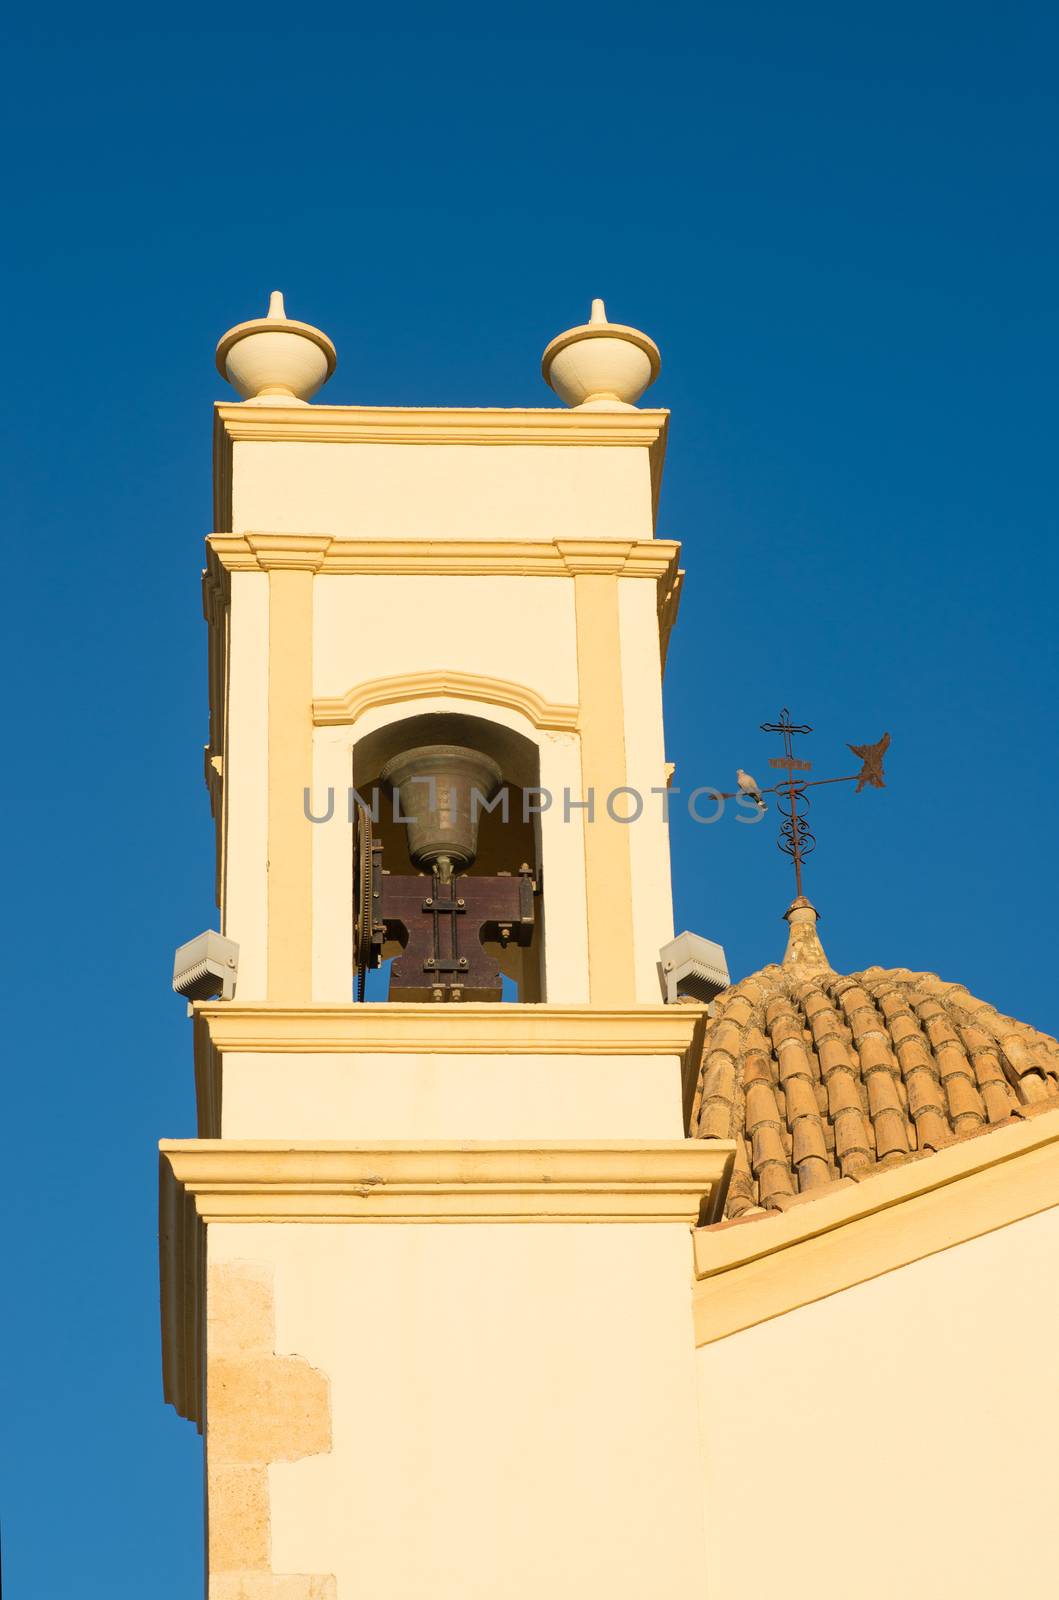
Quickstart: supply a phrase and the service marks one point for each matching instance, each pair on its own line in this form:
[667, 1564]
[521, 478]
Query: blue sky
[839, 224]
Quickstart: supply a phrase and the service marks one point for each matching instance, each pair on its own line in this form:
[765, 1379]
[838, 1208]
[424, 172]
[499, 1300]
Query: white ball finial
[274, 361]
[601, 365]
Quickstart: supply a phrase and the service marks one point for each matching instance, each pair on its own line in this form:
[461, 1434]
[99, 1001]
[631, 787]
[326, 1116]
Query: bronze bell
[435, 784]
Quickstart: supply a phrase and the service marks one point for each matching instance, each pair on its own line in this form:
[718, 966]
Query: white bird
[750, 787]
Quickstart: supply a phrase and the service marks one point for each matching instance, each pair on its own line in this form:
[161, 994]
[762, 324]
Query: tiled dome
[822, 1078]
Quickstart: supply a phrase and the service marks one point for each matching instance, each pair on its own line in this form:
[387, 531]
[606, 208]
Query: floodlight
[206, 967]
[693, 967]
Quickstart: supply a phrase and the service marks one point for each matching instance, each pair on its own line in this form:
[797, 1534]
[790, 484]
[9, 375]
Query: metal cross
[796, 837]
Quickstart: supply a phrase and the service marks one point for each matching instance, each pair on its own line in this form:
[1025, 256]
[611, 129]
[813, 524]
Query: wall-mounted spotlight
[206, 967]
[693, 967]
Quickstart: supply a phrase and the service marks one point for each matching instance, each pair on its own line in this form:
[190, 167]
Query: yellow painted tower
[427, 1269]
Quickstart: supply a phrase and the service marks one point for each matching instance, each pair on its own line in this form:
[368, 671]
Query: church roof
[824, 1079]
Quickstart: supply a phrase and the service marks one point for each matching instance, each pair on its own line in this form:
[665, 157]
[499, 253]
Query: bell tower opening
[447, 861]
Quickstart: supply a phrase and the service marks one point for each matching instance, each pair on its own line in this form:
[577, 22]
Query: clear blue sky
[840, 225]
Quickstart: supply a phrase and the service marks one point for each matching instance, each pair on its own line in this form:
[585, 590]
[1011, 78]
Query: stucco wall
[371, 626]
[443, 491]
[895, 1439]
[451, 1096]
[509, 1411]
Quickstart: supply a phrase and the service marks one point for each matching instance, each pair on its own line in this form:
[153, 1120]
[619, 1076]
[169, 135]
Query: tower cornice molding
[657, 559]
[656, 1181]
[484, 1029]
[232, 1027]
[463, 425]
[556, 558]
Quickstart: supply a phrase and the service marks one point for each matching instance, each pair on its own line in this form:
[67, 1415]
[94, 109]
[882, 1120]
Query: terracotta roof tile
[823, 1078]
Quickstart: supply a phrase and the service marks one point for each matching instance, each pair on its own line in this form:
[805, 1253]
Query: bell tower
[427, 1267]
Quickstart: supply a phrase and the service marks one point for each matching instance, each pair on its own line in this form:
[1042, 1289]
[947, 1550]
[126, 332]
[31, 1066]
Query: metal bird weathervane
[796, 838]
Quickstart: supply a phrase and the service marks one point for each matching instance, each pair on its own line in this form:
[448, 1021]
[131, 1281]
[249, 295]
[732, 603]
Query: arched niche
[509, 835]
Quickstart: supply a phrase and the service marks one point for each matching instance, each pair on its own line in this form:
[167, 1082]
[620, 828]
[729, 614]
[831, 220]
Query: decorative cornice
[762, 1268]
[469, 425]
[486, 1029]
[455, 685]
[263, 552]
[611, 1181]
[554, 558]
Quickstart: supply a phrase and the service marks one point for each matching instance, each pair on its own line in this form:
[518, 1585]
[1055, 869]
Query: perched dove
[749, 786]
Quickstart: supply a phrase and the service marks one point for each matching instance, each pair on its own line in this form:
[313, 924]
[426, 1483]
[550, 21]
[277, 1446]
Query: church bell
[440, 789]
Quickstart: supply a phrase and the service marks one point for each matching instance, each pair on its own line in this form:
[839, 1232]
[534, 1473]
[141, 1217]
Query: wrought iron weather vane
[796, 838]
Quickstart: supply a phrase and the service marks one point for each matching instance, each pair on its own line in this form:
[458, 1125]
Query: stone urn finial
[601, 365]
[274, 361]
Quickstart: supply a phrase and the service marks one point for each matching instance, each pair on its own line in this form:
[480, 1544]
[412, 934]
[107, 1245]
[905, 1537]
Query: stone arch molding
[347, 708]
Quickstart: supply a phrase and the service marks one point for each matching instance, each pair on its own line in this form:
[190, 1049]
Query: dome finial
[803, 944]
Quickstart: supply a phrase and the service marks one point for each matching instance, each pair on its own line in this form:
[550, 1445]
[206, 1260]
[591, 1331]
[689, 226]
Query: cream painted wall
[510, 1409]
[897, 1438]
[641, 681]
[519, 628]
[245, 899]
[450, 1096]
[442, 491]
